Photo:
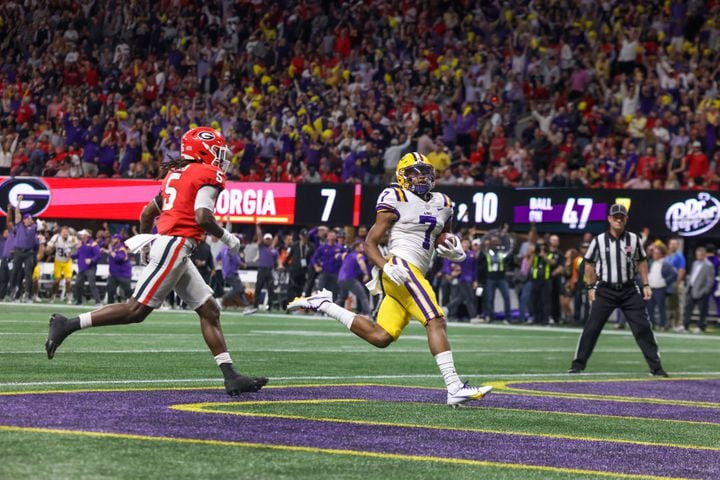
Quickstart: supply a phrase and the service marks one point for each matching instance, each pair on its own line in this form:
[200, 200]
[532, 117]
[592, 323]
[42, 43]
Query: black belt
[617, 286]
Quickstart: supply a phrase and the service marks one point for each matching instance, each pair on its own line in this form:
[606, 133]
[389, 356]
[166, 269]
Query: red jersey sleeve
[209, 175]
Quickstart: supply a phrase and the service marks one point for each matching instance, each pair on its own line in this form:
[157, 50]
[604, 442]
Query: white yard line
[451, 326]
[478, 351]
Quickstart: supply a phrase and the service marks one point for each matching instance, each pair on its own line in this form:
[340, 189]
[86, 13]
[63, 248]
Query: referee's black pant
[629, 300]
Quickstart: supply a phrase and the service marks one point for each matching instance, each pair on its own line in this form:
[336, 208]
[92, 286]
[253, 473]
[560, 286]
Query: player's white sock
[223, 358]
[447, 369]
[85, 320]
[337, 312]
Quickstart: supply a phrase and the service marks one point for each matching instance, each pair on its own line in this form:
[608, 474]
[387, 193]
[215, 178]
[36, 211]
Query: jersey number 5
[170, 193]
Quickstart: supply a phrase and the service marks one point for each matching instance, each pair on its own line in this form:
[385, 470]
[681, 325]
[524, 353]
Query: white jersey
[413, 235]
[63, 247]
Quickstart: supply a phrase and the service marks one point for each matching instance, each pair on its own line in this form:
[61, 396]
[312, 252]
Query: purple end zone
[148, 413]
[688, 390]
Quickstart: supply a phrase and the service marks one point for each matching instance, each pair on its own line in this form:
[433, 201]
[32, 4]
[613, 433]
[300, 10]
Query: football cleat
[312, 302]
[659, 372]
[238, 384]
[467, 393]
[57, 331]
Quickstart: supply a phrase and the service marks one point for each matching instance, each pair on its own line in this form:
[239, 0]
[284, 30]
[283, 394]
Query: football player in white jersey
[414, 216]
[64, 245]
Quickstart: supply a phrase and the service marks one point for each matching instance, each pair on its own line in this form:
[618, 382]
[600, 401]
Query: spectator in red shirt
[25, 112]
[478, 156]
[646, 163]
[498, 145]
[696, 161]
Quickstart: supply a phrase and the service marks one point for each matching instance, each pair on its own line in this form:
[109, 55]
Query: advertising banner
[121, 199]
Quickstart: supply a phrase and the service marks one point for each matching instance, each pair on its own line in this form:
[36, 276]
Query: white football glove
[452, 250]
[396, 273]
[232, 242]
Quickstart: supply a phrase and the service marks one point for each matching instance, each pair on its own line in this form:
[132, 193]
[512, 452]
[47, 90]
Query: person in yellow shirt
[439, 157]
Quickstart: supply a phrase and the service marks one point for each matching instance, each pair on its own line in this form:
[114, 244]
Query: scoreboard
[563, 210]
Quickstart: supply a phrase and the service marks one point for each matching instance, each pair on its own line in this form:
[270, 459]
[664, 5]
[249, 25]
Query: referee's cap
[618, 209]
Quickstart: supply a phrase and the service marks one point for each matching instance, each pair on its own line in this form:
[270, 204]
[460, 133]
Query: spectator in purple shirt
[267, 260]
[231, 263]
[353, 271]
[327, 261]
[87, 256]
[6, 246]
[120, 268]
[463, 277]
[25, 246]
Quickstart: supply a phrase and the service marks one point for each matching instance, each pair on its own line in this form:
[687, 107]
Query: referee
[614, 257]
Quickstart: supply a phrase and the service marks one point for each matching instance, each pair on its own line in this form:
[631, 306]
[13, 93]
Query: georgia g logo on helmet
[206, 135]
[414, 172]
[206, 145]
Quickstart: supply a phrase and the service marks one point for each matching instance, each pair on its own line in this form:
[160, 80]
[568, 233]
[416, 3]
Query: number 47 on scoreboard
[570, 215]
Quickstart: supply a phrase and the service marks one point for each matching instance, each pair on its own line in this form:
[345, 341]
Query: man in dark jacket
[203, 260]
[296, 263]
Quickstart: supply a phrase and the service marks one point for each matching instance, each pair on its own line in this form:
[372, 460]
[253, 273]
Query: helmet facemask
[221, 157]
[420, 178]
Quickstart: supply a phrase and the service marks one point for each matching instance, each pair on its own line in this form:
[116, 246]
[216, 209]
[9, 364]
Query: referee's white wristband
[226, 237]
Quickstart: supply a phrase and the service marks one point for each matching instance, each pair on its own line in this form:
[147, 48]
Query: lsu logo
[36, 195]
[693, 216]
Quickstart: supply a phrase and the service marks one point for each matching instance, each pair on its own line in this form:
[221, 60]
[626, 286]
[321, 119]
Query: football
[440, 240]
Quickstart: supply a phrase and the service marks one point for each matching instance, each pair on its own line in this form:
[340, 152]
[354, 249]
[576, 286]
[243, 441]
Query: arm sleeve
[592, 252]
[206, 197]
[640, 254]
[158, 201]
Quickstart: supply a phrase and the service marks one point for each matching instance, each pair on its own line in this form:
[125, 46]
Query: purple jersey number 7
[432, 222]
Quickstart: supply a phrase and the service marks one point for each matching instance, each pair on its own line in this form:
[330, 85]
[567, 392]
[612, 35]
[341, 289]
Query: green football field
[146, 401]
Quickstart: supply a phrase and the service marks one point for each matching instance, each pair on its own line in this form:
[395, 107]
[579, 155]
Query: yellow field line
[211, 407]
[509, 389]
[357, 453]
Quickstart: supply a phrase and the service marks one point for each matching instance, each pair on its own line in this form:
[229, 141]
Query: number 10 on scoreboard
[570, 215]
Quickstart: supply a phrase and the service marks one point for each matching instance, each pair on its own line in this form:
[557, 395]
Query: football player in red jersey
[185, 206]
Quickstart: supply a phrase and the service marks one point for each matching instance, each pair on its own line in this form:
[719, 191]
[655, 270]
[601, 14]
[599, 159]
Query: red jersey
[179, 189]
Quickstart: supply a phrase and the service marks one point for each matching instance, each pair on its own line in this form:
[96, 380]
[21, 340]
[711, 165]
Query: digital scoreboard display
[666, 213]
[560, 214]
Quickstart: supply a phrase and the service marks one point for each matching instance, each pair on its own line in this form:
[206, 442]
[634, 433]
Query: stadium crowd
[544, 93]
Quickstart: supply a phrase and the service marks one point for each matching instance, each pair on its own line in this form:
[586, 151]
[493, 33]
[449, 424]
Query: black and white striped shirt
[615, 259]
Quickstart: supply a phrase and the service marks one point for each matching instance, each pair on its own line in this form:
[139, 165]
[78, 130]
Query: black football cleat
[240, 384]
[574, 370]
[57, 331]
[659, 372]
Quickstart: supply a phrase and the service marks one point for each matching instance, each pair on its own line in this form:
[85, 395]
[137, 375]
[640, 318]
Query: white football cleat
[467, 393]
[312, 302]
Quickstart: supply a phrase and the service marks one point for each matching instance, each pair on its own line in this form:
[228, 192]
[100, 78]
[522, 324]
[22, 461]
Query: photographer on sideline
[541, 267]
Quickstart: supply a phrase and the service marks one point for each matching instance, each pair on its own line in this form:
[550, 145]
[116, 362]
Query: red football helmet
[206, 145]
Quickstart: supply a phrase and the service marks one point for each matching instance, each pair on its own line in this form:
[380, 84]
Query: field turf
[146, 401]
